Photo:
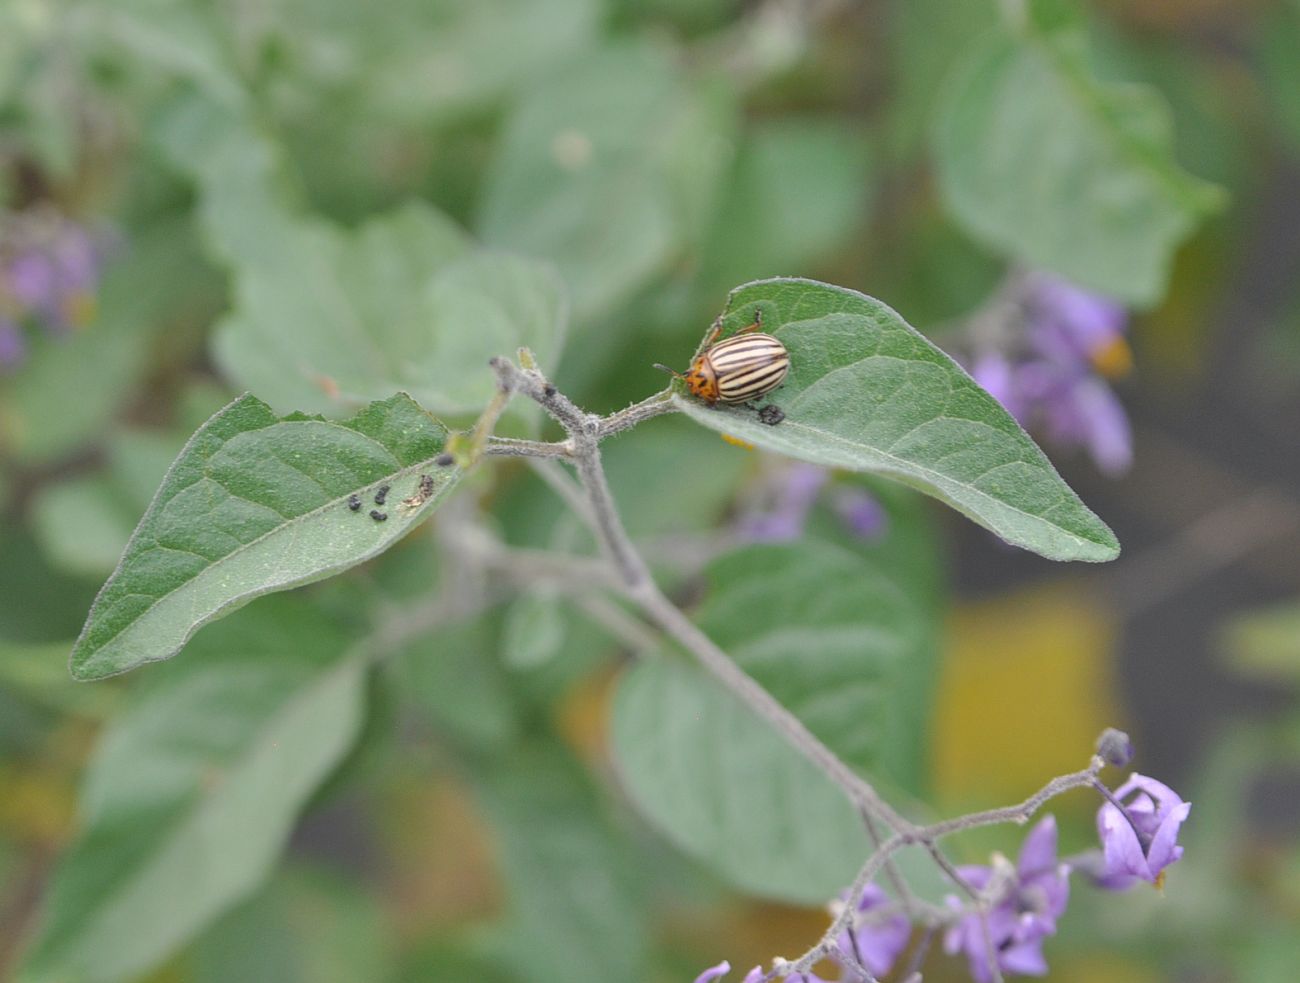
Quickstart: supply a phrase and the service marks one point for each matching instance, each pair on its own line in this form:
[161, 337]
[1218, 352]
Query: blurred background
[1094, 207]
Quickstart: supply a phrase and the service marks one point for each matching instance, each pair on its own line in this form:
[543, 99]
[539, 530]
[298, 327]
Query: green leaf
[1279, 55]
[192, 794]
[38, 673]
[605, 169]
[253, 504]
[355, 326]
[1039, 160]
[866, 392]
[453, 677]
[925, 38]
[305, 926]
[84, 524]
[176, 39]
[799, 188]
[728, 789]
[471, 53]
[534, 629]
[835, 636]
[326, 318]
[844, 639]
[549, 833]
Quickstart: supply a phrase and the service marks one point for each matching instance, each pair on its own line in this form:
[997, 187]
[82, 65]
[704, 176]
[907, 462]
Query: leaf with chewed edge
[257, 503]
[867, 392]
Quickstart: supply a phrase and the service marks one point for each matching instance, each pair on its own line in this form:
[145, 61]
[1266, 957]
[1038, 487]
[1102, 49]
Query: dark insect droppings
[381, 495]
[378, 516]
[444, 460]
[354, 502]
[771, 414]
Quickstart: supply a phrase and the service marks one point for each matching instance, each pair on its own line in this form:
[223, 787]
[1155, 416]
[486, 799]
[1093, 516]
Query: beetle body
[739, 369]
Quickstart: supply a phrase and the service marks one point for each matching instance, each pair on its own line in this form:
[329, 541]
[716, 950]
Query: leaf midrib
[910, 469]
[289, 523]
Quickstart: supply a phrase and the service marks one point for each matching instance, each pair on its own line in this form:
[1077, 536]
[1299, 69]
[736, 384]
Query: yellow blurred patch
[1101, 969]
[80, 309]
[1025, 690]
[582, 717]
[37, 806]
[1114, 360]
[737, 442]
[441, 870]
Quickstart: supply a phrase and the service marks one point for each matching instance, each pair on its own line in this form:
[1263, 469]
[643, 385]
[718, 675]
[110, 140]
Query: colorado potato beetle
[738, 369]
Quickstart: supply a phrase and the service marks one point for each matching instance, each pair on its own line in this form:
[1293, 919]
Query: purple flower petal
[713, 973]
[877, 943]
[1038, 853]
[1025, 958]
[754, 975]
[33, 281]
[77, 260]
[1107, 436]
[1164, 849]
[795, 492]
[13, 346]
[861, 512]
[1069, 315]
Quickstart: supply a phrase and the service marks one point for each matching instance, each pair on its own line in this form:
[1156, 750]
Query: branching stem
[595, 505]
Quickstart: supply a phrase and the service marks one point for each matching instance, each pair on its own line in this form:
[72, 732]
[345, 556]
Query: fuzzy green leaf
[866, 392]
[1040, 160]
[192, 794]
[841, 637]
[253, 504]
[728, 789]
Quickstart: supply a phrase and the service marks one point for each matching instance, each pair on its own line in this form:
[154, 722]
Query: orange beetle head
[702, 381]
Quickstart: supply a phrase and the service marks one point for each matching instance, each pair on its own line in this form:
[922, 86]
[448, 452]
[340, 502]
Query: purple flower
[1034, 897]
[861, 512]
[49, 269]
[1140, 842]
[876, 942]
[794, 495]
[33, 280]
[1069, 323]
[13, 347]
[1053, 379]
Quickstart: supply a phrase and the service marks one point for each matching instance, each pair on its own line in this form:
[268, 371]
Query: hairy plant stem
[927, 837]
[584, 435]
[596, 506]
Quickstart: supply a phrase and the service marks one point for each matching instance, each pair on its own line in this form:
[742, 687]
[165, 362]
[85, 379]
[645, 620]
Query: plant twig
[584, 434]
[512, 447]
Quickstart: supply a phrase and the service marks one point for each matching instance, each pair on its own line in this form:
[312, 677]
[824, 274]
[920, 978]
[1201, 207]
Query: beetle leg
[714, 330]
[758, 322]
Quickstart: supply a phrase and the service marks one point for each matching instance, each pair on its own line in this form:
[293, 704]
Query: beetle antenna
[672, 372]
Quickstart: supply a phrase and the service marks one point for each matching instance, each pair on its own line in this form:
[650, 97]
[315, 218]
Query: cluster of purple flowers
[1050, 368]
[49, 272]
[789, 496]
[1019, 904]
